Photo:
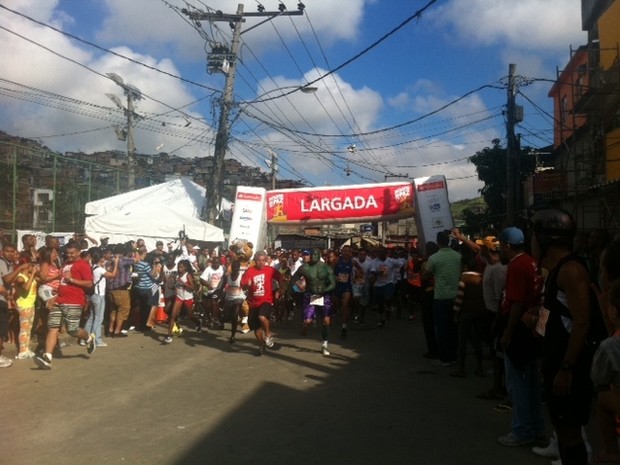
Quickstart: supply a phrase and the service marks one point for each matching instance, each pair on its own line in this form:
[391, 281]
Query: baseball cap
[306, 252]
[490, 242]
[513, 236]
[195, 248]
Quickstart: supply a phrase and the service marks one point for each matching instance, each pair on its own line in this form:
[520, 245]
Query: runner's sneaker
[511, 440]
[325, 351]
[269, 342]
[25, 355]
[91, 344]
[5, 362]
[260, 351]
[168, 339]
[198, 327]
[43, 361]
[551, 451]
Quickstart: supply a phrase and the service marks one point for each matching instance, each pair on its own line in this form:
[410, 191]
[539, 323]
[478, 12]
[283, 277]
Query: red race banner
[342, 204]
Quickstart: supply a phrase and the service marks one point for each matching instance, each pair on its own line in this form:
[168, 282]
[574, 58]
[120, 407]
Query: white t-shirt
[232, 290]
[99, 282]
[212, 278]
[386, 269]
[170, 280]
[182, 292]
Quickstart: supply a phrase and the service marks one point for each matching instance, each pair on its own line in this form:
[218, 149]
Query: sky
[404, 88]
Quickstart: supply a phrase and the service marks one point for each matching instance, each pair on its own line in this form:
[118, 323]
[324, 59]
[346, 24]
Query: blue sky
[407, 105]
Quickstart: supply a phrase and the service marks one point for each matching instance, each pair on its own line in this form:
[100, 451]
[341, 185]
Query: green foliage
[490, 165]
[470, 215]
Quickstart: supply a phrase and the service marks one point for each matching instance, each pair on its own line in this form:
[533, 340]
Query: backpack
[91, 290]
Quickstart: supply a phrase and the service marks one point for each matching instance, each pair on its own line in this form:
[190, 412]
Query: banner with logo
[341, 204]
[432, 207]
[248, 216]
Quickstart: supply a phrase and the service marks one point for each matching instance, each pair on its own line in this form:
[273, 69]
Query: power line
[103, 49]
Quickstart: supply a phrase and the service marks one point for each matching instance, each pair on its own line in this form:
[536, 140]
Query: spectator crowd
[539, 306]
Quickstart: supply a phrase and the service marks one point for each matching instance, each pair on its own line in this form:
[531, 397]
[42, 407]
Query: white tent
[155, 212]
[157, 223]
[182, 195]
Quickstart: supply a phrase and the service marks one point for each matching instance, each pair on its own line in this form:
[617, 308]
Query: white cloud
[153, 24]
[524, 24]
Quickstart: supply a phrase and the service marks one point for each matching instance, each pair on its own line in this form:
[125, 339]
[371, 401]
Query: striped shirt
[145, 280]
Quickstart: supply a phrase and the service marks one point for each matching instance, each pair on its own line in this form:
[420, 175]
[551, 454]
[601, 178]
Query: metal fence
[47, 191]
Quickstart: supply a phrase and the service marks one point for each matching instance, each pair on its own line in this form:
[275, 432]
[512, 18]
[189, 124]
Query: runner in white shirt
[382, 270]
[213, 284]
[233, 298]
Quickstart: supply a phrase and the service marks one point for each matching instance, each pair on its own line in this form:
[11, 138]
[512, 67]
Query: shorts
[313, 311]
[69, 314]
[342, 288]
[384, 293]
[120, 303]
[4, 320]
[264, 310]
[232, 309]
[188, 304]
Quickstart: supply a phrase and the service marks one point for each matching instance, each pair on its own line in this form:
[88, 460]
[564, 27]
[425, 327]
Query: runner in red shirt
[77, 276]
[257, 282]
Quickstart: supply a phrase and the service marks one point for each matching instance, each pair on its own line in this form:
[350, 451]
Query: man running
[320, 282]
[76, 277]
[257, 282]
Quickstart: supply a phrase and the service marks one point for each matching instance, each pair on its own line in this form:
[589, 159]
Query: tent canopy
[182, 195]
[154, 212]
[160, 222]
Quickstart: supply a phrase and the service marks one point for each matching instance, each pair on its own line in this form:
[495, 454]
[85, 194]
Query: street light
[132, 93]
[261, 98]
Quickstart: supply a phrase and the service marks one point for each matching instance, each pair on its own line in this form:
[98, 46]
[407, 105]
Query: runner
[257, 282]
[320, 281]
[76, 277]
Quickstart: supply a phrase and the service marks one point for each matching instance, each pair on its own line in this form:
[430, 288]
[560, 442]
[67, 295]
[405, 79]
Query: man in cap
[523, 291]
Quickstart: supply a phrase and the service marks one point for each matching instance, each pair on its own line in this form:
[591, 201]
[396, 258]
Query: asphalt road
[199, 400]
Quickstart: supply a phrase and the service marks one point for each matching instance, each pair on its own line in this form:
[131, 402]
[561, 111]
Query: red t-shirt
[523, 284]
[260, 284]
[70, 293]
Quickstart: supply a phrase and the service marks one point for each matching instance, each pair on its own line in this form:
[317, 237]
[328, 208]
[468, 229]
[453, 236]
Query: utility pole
[511, 175]
[273, 164]
[126, 133]
[213, 195]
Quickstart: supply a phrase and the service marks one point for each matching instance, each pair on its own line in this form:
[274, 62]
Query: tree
[491, 168]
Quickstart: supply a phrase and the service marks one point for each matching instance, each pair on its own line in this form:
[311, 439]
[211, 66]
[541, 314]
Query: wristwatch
[566, 365]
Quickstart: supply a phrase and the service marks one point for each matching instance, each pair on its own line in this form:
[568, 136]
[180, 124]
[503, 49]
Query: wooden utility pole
[213, 196]
[512, 177]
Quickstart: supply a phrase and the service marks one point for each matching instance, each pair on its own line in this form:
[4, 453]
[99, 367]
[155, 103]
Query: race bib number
[343, 277]
[317, 300]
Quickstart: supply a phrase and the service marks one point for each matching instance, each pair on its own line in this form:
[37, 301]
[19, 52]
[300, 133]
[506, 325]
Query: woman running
[185, 297]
